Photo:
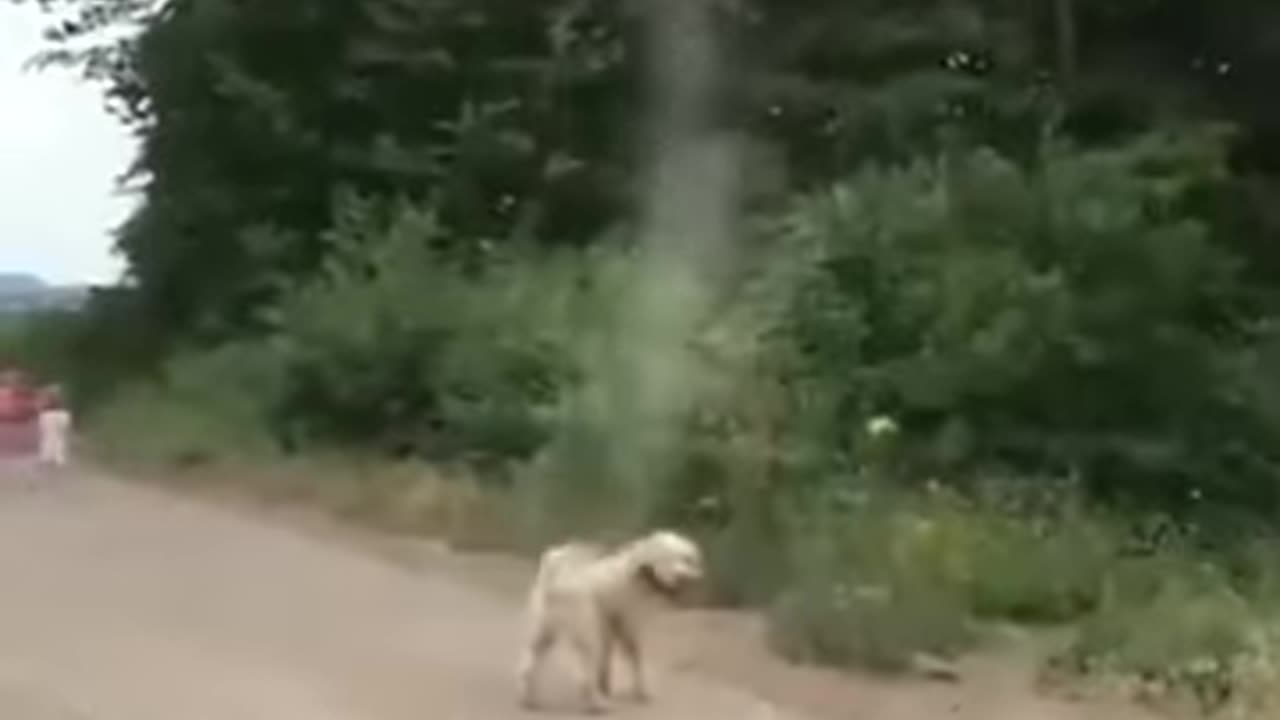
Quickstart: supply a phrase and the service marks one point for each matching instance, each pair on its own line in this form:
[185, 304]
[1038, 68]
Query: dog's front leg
[605, 671]
[628, 637]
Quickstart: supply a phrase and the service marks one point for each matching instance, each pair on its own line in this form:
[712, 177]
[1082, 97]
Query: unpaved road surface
[119, 603]
[124, 603]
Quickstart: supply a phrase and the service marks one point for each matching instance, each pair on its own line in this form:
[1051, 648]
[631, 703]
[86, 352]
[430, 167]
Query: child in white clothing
[55, 429]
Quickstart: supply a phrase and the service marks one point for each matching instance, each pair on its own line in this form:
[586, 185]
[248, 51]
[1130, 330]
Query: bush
[1173, 627]
[397, 348]
[206, 406]
[872, 587]
[878, 574]
[1043, 559]
[881, 629]
[1071, 317]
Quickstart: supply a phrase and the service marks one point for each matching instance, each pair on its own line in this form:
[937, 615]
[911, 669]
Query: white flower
[881, 425]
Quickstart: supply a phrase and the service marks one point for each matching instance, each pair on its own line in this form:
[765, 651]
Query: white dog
[596, 600]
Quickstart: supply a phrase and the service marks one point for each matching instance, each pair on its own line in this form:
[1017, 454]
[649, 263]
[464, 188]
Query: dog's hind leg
[535, 651]
[628, 640]
[604, 676]
[589, 646]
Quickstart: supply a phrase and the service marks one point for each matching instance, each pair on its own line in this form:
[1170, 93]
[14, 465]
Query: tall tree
[520, 120]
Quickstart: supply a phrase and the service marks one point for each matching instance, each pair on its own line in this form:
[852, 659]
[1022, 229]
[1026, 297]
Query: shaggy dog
[596, 600]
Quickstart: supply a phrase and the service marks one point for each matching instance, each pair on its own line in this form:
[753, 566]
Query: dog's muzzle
[680, 591]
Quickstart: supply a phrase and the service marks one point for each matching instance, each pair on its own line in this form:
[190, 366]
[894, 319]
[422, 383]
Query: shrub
[871, 588]
[206, 406]
[1172, 626]
[880, 629]
[1074, 316]
[878, 574]
[397, 347]
[1043, 559]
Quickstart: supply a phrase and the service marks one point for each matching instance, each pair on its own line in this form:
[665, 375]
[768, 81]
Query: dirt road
[124, 603]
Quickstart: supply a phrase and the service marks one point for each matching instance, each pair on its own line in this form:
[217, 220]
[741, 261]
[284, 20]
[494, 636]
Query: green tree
[521, 121]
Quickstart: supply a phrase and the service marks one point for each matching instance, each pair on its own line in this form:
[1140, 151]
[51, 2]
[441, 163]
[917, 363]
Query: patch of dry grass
[402, 498]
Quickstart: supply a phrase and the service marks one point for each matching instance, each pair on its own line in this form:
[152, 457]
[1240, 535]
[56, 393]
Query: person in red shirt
[10, 395]
[17, 415]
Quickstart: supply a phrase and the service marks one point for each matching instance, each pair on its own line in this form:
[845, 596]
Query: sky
[60, 155]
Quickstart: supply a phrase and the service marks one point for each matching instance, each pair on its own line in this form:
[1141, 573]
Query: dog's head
[669, 563]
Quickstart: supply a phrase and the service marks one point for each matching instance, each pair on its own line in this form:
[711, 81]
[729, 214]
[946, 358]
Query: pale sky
[60, 154]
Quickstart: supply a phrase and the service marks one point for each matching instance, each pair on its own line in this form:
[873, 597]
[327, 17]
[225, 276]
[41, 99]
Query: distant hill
[23, 293]
[20, 283]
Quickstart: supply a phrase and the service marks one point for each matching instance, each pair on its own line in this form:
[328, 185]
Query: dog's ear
[647, 575]
[645, 572]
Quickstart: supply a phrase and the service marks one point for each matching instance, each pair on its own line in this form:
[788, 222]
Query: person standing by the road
[55, 428]
[19, 409]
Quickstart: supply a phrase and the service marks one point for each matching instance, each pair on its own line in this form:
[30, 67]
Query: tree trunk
[1064, 12]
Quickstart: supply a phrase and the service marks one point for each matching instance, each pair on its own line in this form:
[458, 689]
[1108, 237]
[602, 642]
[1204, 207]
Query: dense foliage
[1020, 231]
[522, 122]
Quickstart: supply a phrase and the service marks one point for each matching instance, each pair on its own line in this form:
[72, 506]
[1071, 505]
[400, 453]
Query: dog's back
[560, 563]
[556, 597]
